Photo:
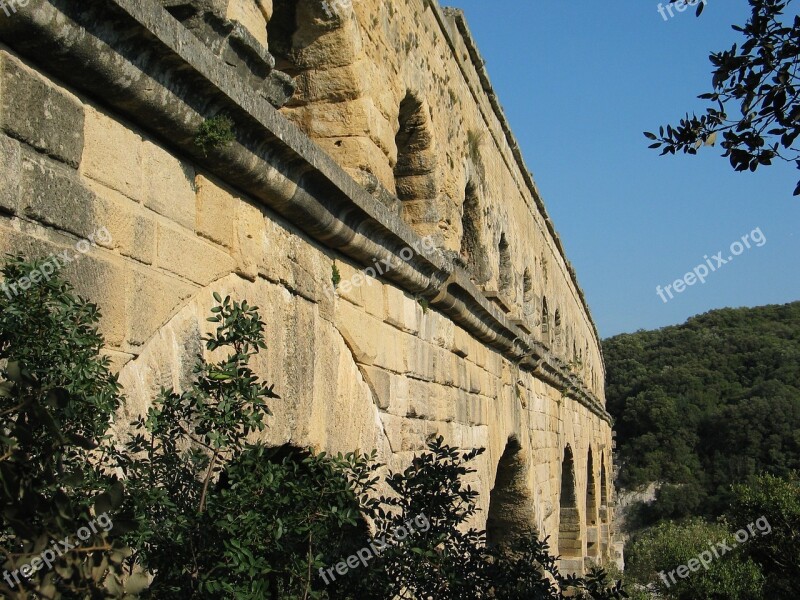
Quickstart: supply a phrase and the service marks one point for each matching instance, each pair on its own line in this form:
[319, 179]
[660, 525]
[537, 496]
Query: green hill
[706, 404]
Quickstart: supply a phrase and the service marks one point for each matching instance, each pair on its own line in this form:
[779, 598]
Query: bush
[56, 398]
[661, 550]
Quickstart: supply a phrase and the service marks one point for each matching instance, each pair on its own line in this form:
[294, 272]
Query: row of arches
[583, 521]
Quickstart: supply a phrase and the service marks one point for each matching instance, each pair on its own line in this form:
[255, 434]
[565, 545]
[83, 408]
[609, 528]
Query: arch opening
[528, 307]
[570, 543]
[505, 271]
[473, 254]
[511, 509]
[592, 516]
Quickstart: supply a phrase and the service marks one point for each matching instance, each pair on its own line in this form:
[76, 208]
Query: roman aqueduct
[366, 134]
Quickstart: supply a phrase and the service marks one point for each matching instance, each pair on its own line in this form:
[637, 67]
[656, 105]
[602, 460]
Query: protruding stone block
[39, 113]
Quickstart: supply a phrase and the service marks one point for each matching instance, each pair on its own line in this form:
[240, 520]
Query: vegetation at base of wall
[695, 406]
[216, 132]
[57, 397]
[203, 514]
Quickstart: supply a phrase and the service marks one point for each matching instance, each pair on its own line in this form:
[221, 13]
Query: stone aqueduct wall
[486, 339]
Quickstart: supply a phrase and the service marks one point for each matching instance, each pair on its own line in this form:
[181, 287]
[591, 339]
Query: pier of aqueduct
[363, 129]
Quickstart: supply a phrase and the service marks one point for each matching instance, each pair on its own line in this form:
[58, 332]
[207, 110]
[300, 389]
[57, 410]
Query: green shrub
[657, 552]
[216, 132]
[56, 398]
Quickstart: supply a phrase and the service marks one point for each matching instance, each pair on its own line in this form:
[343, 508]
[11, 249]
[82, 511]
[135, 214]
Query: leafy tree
[773, 502]
[56, 399]
[695, 406]
[755, 95]
[655, 555]
[446, 560]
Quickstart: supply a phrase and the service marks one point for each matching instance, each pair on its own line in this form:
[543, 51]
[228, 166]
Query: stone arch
[570, 543]
[321, 413]
[473, 252]
[528, 303]
[511, 505]
[505, 272]
[592, 515]
[414, 171]
[545, 317]
[605, 510]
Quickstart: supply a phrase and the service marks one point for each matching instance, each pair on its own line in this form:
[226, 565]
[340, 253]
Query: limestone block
[151, 299]
[132, 229]
[373, 295]
[101, 277]
[340, 119]
[35, 110]
[421, 359]
[54, 195]
[475, 378]
[169, 185]
[185, 254]
[250, 238]
[253, 15]
[380, 382]
[358, 332]
[113, 155]
[402, 311]
[10, 171]
[315, 48]
[359, 153]
[405, 435]
[215, 212]
[336, 84]
[350, 285]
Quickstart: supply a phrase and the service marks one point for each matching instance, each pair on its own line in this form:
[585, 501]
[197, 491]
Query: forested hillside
[706, 404]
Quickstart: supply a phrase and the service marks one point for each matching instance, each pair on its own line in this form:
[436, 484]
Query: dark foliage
[755, 107]
[707, 404]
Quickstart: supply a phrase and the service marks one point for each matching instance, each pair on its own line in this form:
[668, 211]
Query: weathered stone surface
[10, 170]
[215, 212]
[39, 112]
[113, 155]
[54, 195]
[365, 366]
[169, 185]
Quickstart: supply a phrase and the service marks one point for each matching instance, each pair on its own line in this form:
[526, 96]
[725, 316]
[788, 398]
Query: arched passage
[605, 510]
[511, 510]
[592, 530]
[414, 172]
[570, 543]
[473, 252]
[528, 304]
[505, 271]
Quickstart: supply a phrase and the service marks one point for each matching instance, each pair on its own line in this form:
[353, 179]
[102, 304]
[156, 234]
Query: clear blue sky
[580, 82]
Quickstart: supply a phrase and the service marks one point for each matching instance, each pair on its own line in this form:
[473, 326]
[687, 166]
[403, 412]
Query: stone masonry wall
[97, 110]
